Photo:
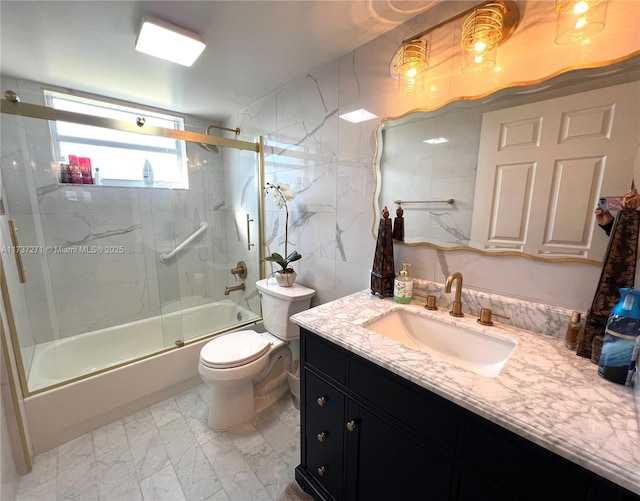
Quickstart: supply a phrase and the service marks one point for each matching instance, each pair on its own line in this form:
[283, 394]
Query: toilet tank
[279, 303]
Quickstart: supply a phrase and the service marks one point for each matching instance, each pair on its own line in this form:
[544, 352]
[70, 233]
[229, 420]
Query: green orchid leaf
[294, 256]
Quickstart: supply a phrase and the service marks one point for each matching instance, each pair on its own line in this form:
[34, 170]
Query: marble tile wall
[328, 161]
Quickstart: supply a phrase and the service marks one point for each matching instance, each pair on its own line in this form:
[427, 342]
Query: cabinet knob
[321, 471]
[352, 425]
[321, 436]
[321, 401]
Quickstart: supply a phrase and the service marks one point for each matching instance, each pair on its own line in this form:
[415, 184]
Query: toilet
[247, 369]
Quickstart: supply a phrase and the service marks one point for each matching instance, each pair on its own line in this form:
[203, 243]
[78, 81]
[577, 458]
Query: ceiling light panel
[167, 41]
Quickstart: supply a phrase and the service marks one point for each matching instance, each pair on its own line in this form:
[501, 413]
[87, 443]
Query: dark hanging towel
[398, 225]
[618, 271]
[383, 270]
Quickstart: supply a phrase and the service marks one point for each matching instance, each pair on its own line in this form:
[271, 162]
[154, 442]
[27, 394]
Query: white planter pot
[285, 279]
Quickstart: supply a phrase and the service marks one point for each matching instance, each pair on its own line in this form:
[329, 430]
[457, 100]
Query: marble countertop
[544, 393]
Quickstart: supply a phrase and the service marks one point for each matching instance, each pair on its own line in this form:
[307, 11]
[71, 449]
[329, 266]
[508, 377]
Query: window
[122, 158]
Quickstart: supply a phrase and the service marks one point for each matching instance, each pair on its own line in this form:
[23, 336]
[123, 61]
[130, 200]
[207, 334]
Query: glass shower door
[210, 243]
[97, 295]
[91, 298]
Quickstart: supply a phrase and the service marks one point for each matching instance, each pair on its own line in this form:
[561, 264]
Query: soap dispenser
[403, 286]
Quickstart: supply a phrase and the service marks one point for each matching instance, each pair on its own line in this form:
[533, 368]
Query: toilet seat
[234, 349]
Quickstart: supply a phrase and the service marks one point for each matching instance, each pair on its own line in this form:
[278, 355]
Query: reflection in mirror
[525, 165]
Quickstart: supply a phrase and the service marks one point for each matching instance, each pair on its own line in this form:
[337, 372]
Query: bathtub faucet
[228, 289]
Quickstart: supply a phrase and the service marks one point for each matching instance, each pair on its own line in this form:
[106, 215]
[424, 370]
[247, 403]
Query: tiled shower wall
[328, 161]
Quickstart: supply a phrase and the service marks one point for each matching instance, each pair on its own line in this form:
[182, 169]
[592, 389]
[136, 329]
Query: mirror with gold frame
[448, 171]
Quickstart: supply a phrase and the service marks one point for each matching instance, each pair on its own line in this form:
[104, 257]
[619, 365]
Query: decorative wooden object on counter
[398, 225]
[618, 271]
[383, 270]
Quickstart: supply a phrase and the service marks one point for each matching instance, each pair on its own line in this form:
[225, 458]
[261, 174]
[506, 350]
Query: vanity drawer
[427, 414]
[321, 397]
[324, 356]
[324, 433]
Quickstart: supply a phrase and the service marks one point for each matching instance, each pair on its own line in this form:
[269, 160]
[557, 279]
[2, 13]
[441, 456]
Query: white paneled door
[543, 166]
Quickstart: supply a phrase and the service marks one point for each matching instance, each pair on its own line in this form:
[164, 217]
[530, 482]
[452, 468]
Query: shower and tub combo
[55, 362]
[97, 336]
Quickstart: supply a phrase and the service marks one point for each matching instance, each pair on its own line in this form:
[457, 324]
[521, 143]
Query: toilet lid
[234, 349]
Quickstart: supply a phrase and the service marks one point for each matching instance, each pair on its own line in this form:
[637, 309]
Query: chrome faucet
[456, 307]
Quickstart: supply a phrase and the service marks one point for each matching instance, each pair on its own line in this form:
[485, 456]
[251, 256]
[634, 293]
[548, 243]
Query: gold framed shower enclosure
[11, 105]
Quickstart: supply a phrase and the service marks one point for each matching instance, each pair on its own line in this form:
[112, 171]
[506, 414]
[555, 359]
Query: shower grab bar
[249, 221]
[169, 255]
[449, 201]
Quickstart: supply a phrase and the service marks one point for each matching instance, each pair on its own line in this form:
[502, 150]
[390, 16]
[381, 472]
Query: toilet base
[236, 407]
[263, 403]
[236, 403]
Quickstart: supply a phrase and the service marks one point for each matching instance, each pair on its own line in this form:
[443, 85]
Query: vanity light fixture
[485, 27]
[481, 34]
[358, 116]
[579, 20]
[167, 41]
[412, 62]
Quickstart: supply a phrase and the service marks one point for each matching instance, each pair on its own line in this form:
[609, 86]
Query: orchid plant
[281, 197]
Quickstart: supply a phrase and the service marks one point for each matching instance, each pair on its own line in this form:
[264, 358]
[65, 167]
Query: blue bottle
[623, 328]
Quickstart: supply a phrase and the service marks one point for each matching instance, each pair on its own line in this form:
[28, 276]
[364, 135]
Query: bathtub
[64, 359]
[67, 411]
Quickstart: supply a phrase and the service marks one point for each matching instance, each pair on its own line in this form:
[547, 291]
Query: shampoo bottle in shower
[403, 286]
[65, 171]
[147, 173]
[76, 173]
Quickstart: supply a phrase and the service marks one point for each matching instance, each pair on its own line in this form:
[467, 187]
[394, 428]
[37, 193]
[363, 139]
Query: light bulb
[581, 23]
[412, 72]
[580, 8]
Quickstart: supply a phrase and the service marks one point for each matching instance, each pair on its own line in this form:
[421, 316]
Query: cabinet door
[472, 487]
[385, 463]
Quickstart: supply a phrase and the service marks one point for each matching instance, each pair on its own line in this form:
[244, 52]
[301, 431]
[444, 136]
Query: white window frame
[120, 172]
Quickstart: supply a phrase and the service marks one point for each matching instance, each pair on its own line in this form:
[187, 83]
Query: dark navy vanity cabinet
[369, 434]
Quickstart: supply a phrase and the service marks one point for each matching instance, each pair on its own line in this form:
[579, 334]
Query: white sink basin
[480, 352]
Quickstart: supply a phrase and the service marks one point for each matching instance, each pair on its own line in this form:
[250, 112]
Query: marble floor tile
[109, 438]
[76, 452]
[45, 469]
[165, 411]
[167, 453]
[79, 482]
[162, 485]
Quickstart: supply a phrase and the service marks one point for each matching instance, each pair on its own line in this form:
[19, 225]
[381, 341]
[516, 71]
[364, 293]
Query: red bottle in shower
[76, 173]
[85, 169]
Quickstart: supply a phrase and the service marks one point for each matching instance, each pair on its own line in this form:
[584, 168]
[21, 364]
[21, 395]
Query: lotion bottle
[573, 330]
[403, 286]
